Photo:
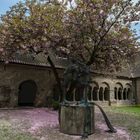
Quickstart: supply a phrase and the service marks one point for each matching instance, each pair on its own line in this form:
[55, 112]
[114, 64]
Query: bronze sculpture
[78, 75]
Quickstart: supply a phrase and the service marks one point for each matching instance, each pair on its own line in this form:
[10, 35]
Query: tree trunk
[57, 78]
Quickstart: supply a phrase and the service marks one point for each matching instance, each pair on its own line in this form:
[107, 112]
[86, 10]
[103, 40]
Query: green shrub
[55, 105]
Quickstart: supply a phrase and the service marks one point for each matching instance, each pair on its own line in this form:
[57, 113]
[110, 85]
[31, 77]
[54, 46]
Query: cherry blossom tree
[96, 32]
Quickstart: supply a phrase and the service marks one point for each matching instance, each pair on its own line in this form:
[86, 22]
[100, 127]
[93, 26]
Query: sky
[5, 4]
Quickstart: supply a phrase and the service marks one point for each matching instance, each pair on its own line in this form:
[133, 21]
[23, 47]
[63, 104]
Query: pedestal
[77, 119]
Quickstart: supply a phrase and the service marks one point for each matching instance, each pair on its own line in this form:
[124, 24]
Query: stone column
[103, 94]
[111, 94]
[131, 94]
[98, 94]
[122, 94]
[112, 99]
[117, 94]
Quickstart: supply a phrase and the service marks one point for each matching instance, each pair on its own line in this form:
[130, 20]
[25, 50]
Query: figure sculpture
[78, 75]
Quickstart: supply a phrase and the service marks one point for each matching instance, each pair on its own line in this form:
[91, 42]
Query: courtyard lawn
[127, 117]
[133, 110]
[42, 124]
[7, 132]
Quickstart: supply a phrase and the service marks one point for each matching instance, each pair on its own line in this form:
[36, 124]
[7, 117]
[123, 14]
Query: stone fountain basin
[74, 117]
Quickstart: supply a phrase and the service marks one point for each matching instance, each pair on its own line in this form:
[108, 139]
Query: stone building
[108, 90]
[28, 81]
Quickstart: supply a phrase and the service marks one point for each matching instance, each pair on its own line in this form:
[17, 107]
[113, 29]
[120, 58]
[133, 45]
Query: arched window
[69, 96]
[89, 93]
[95, 93]
[124, 94]
[105, 89]
[120, 94]
[101, 94]
[115, 92]
[118, 91]
[106, 94]
[128, 94]
[79, 92]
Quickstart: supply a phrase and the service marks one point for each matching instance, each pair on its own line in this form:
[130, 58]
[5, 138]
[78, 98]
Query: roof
[136, 66]
[41, 60]
[38, 60]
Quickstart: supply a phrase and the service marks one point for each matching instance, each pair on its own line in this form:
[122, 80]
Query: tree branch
[102, 37]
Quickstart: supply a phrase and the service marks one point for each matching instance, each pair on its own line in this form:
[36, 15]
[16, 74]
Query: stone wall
[12, 75]
[108, 90]
[137, 84]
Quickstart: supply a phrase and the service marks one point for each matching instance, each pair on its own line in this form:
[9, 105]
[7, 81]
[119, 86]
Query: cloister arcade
[104, 92]
[122, 93]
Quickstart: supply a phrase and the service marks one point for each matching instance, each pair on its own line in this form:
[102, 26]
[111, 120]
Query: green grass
[127, 117]
[131, 110]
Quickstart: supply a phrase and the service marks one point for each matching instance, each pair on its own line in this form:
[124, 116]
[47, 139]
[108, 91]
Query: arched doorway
[27, 93]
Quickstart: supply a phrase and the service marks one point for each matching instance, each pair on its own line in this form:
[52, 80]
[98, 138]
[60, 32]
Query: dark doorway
[27, 93]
